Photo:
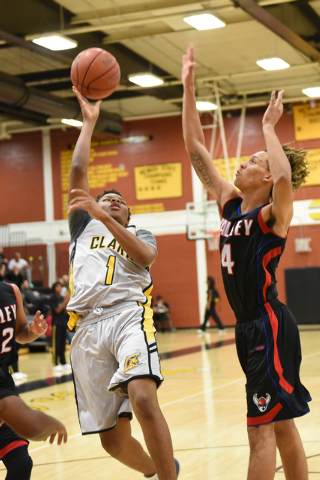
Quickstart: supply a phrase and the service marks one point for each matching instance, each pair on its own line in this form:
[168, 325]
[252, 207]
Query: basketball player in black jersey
[26, 422]
[254, 227]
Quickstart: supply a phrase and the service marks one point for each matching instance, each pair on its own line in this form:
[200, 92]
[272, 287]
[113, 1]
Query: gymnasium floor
[202, 399]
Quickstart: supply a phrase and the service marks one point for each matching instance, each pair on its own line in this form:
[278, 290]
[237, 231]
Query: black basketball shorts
[7, 386]
[269, 352]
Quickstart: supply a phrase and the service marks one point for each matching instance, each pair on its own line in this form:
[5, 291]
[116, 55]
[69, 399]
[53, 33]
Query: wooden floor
[202, 398]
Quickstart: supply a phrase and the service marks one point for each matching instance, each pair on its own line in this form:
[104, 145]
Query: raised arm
[140, 252]
[194, 138]
[81, 154]
[280, 212]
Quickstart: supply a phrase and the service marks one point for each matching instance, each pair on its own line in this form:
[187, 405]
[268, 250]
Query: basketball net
[213, 240]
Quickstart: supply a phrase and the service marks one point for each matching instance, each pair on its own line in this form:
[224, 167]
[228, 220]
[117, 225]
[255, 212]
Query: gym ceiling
[151, 36]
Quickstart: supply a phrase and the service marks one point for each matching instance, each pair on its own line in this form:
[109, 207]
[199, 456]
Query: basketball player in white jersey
[114, 352]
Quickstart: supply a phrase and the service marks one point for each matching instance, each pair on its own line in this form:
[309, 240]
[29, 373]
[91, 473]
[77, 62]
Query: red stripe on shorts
[12, 446]
[277, 364]
[267, 418]
[266, 259]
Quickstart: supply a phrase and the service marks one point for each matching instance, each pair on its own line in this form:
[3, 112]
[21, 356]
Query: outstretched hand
[188, 67]
[89, 111]
[83, 201]
[61, 432]
[38, 325]
[274, 110]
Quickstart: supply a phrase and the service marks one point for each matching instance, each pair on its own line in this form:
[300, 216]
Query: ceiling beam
[13, 39]
[176, 5]
[277, 27]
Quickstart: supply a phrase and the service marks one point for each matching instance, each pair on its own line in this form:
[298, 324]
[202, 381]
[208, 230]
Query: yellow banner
[307, 121]
[158, 181]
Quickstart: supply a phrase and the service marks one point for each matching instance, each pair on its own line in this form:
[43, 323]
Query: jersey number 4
[110, 269]
[226, 260]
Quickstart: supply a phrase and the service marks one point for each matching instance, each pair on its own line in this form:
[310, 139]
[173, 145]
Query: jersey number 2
[7, 332]
[226, 260]
[110, 269]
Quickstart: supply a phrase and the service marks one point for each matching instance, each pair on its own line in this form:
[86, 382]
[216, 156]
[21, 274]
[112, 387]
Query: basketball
[95, 73]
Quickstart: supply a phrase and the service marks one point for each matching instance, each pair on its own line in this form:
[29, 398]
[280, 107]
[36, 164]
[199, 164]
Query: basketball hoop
[213, 240]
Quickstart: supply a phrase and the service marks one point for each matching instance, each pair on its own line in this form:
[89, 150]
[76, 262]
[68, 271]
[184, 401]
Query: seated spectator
[22, 265]
[14, 276]
[33, 300]
[3, 258]
[3, 269]
[161, 314]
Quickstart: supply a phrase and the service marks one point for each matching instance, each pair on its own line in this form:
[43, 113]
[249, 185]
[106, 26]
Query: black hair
[113, 190]
[54, 286]
[211, 281]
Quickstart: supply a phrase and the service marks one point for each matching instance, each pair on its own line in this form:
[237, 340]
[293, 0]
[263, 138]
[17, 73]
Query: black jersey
[8, 313]
[250, 253]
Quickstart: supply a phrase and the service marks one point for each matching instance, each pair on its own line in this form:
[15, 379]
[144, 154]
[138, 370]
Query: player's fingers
[280, 96]
[79, 190]
[272, 98]
[52, 437]
[98, 103]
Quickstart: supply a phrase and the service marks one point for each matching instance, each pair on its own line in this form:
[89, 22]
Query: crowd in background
[51, 303]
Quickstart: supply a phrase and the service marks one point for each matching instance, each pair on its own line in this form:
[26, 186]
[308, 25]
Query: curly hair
[112, 190]
[299, 165]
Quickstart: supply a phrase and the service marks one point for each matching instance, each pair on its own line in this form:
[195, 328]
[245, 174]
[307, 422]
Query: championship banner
[307, 121]
[158, 181]
[98, 175]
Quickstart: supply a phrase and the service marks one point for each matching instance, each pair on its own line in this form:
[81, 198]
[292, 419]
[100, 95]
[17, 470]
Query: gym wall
[175, 271]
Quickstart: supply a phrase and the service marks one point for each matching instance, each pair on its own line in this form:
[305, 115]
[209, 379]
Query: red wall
[21, 179]
[166, 146]
[174, 276]
[174, 273]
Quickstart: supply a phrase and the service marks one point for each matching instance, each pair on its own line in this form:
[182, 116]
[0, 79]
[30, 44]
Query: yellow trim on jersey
[148, 315]
[73, 317]
[148, 324]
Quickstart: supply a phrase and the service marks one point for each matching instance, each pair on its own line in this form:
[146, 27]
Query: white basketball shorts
[106, 353]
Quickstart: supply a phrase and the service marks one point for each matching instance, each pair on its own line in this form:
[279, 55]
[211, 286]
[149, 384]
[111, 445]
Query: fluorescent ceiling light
[312, 92]
[54, 42]
[73, 123]
[145, 79]
[273, 64]
[206, 106]
[205, 21]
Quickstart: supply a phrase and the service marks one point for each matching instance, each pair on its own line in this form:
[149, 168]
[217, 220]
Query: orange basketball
[95, 73]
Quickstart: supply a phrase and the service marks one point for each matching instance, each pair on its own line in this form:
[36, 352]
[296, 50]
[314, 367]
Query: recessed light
[206, 106]
[312, 92]
[145, 79]
[73, 123]
[273, 64]
[53, 41]
[205, 21]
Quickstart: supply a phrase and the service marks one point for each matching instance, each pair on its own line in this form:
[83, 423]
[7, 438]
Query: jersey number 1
[110, 269]
[226, 260]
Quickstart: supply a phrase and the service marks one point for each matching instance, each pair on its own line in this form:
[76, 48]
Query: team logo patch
[131, 362]
[261, 347]
[262, 403]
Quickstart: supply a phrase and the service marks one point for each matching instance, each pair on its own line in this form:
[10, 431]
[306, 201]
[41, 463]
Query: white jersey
[101, 272]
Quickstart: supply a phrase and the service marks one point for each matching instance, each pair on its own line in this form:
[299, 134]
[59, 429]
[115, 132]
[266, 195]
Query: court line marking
[161, 405]
[174, 401]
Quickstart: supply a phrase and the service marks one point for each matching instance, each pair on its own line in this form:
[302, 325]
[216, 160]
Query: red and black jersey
[8, 314]
[250, 253]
